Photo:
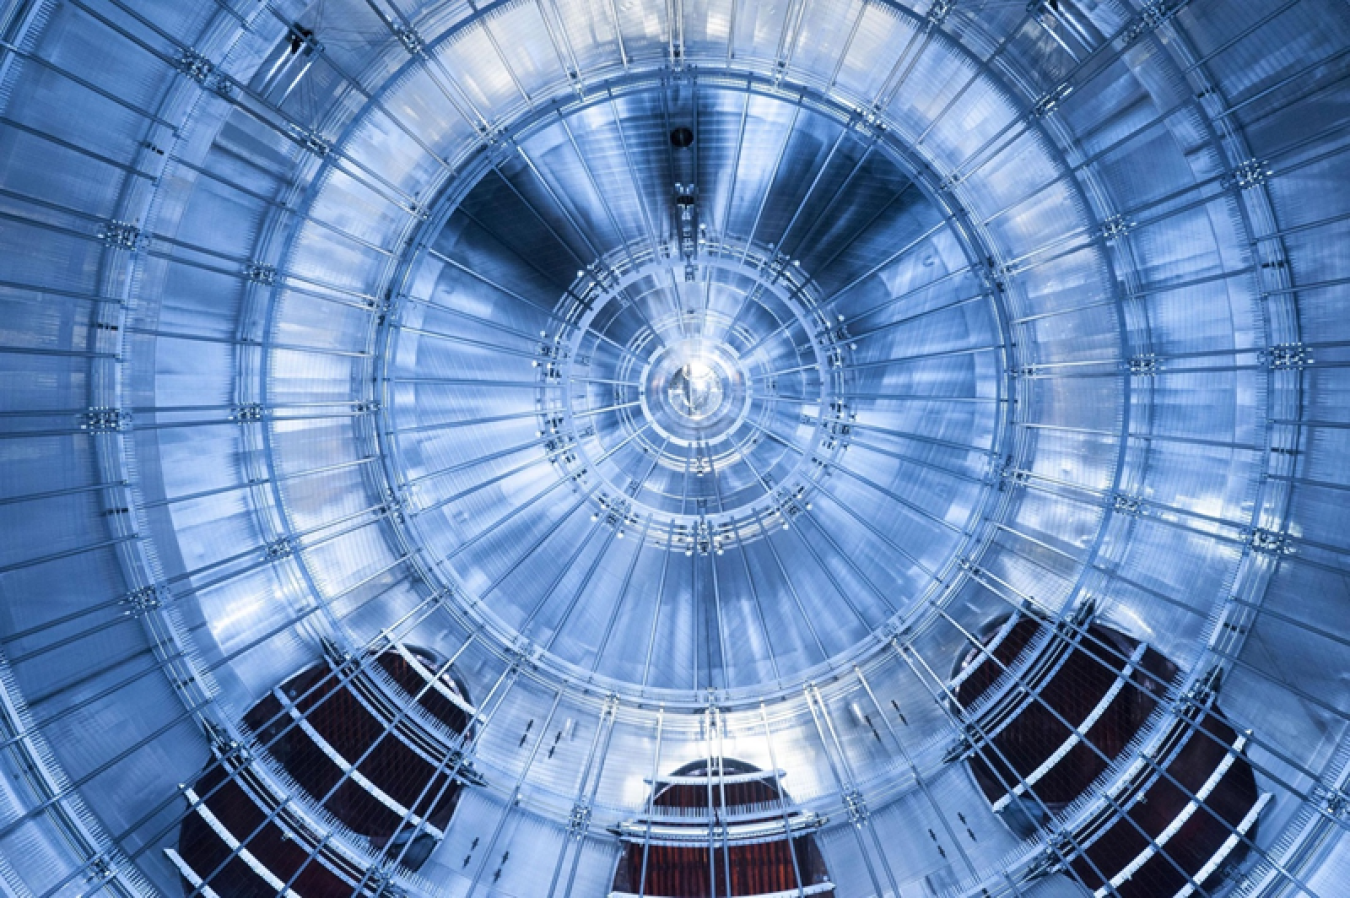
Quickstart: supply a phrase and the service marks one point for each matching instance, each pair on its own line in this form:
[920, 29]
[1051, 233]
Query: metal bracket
[1050, 860]
[195, 66]
[1115, 227]
[1333, 801]
[579, 820]
[249, 413]
[1153, 15]
[856, 805]
[143, 600]
[104, 419]
[1010, 475]
[224, 747]
[1127, 505]
[962, 747]
[123, 235]
[312, 140]
[382, 880]
[1047, 104]
[410, 39]
[1250, 173]
[261, 273]
[938, 12]
[1269, 542]
[1287, 356]
[282, 548]
[1144, 365]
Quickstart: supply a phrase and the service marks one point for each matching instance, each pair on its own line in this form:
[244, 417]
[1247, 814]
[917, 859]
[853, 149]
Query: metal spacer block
[123, 235]
[1269, 542]
[245, 414]
[1116, 227]
[261, 273]
[282, 548]
[1251, 173]
[1144, 365]
[105, 420]
[1288, 356]
[1127, 505]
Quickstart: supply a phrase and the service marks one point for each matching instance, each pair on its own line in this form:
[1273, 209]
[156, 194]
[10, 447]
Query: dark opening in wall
[743, 815]
[1050, 709]
[371, 743]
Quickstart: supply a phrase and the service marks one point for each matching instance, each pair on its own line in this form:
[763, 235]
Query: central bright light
[695, 390]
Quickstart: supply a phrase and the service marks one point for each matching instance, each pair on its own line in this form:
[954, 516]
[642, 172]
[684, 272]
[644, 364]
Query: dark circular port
[681, 137]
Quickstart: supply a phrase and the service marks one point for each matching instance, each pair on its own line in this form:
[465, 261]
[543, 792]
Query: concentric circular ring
[694, 392]
[767, 373]
[796, 404]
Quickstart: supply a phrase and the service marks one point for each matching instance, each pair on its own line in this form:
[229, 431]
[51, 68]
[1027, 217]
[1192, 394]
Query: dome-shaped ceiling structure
[733, 447]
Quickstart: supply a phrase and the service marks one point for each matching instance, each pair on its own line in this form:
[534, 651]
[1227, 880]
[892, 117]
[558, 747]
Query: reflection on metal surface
[695, 389]
[753, 394]
[335, 327]
[695, 393]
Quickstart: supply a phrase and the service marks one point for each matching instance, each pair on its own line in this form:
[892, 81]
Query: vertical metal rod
[581, 791]
[722, 798]
[491, 846]
[919, 779]
[942, 703]
[782, 801]
[460, 758]
[651, 800]
[845, 789]
[853, 780]
[708, 724]
[585, 826]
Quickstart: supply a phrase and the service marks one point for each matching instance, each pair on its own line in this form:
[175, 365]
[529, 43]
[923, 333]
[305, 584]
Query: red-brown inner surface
[283, 851]
[758, 869]
[1037, 729]
[360, 736]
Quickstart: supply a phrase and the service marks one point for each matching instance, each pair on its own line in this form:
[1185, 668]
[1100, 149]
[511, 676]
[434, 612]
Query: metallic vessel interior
[674, 448]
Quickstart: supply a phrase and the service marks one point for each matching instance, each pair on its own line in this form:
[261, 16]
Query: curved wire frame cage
[725, 447]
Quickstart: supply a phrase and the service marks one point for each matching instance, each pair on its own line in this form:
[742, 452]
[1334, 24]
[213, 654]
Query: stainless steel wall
[226, 239]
